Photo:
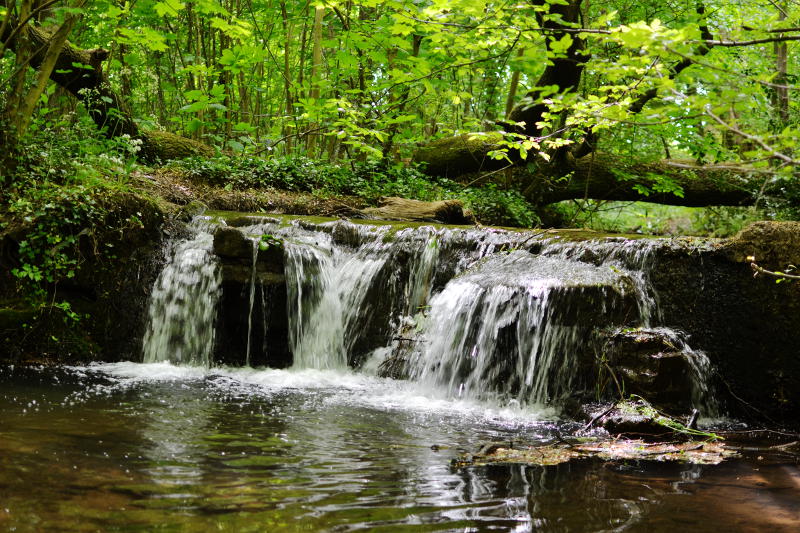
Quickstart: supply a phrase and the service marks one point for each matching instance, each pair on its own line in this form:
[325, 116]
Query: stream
[144, 447]
[495, 335]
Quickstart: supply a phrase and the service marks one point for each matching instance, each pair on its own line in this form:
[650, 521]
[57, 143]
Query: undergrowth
[58, 188]
[368, 180]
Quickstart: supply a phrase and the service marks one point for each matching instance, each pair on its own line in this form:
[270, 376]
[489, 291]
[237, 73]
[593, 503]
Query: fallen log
[403, 209]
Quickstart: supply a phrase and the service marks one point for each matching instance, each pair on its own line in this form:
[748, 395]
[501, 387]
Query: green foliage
[55, 199]
[369, 180]
[655, 219]
[391, 75]
[268, 241]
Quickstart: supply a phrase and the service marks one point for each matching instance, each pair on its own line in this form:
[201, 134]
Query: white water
[507, 328]
[339, 386]
[327, 286]
[504, 330]
[183, 304]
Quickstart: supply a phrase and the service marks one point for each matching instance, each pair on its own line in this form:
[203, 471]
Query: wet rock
[652, 363]
[236, 250]
[190, 210]
[772, 244]
[250, 220]
[749, 327]
[637, 418]
[262, 325]
[232, 243]
[265, 325]
[631, 425]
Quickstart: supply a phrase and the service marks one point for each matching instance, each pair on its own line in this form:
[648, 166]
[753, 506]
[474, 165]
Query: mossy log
[599, 176]
[163, 145]
[445, 211]
[452, 157]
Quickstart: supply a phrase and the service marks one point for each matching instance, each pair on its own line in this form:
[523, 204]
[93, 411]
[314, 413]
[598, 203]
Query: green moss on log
[456, 156]
[163, 146]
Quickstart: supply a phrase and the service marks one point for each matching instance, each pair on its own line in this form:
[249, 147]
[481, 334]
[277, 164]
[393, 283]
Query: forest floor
[174, 187]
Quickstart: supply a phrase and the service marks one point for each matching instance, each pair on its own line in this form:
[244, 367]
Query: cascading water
[322, 331]
[471, 312]
[183, 303]
[510, 327]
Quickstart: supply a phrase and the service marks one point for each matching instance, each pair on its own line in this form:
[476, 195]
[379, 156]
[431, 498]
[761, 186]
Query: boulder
[652, 363]
[231, 243]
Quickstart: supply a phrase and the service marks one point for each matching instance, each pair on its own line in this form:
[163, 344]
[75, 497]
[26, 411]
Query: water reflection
[113, 448]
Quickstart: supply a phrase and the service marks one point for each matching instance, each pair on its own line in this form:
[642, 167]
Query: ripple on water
[136, 447]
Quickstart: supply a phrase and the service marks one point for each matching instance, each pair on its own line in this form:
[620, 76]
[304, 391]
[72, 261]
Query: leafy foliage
[370, 180]
[57, 200]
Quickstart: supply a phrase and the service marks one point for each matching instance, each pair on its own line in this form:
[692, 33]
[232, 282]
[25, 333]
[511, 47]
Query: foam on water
[336, 386]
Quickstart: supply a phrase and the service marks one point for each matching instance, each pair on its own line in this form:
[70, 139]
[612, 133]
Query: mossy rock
[773, 244]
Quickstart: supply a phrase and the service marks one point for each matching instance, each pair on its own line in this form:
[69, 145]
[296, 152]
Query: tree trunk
[596, 176]
[316, 74]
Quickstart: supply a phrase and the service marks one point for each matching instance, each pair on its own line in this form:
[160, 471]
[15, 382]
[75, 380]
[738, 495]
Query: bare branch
[781, 275]
[751, 42]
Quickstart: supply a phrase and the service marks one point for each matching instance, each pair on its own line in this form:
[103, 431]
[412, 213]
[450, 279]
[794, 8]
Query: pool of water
[133, 447]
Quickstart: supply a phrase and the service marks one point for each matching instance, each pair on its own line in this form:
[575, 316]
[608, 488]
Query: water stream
[144, 447]
[491, 329]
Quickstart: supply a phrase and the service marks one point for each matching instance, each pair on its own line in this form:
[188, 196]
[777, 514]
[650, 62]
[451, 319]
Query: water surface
[134, 447]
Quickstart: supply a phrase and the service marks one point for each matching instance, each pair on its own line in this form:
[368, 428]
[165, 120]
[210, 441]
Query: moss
[774, 245]
[456, 156]
[163, 146]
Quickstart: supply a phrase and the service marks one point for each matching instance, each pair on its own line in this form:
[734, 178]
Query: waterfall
[422, 276]
[472, 313]
[509, 329]
[183, 303]
[328, 307]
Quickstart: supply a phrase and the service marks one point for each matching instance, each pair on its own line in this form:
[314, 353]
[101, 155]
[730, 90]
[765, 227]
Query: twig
[598, 417]
[761, 270]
